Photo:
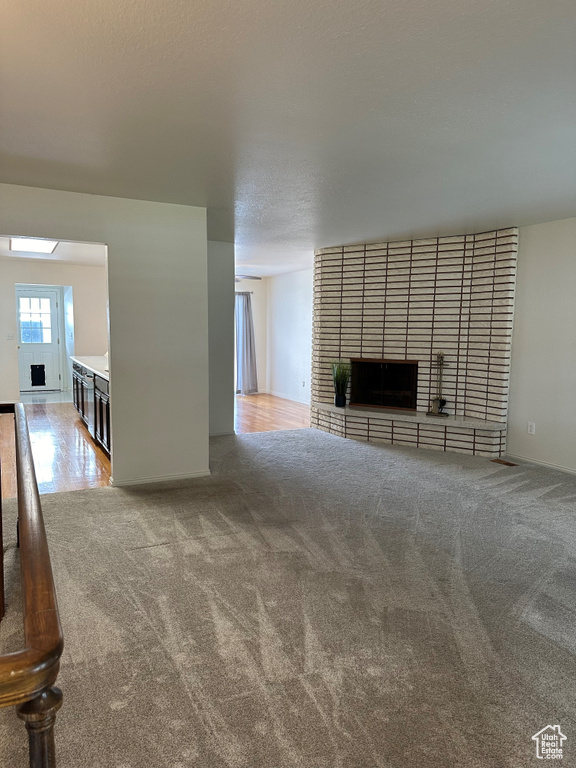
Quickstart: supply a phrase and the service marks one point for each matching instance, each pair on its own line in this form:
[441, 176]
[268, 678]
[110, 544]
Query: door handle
[18, 346]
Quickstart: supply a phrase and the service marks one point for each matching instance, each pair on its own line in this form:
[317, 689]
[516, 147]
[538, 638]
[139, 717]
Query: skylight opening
[32, 245]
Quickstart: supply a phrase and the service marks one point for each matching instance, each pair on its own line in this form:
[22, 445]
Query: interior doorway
[258, 406]
[56, 308]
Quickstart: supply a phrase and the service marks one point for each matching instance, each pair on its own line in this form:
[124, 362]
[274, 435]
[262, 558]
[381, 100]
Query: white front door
[38, 339]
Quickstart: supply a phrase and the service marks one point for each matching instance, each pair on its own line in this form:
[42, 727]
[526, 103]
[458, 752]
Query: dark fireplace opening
[384, 383]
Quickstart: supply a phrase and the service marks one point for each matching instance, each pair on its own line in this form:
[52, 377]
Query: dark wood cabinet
[91, 396]
[78, 389]
[102, 413]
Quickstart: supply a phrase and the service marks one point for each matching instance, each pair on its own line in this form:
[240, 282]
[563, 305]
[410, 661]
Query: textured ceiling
[299, 125]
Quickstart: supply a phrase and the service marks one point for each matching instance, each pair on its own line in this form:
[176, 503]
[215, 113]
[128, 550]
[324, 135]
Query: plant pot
[340, 401]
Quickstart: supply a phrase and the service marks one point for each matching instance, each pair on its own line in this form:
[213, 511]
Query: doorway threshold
[36, 398]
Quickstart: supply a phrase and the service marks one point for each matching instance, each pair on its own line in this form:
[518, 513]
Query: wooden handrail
[27, 677]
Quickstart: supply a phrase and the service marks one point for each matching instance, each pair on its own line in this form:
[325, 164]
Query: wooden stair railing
[27, 677]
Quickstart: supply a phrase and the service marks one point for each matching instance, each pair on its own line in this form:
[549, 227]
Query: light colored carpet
[315, 603]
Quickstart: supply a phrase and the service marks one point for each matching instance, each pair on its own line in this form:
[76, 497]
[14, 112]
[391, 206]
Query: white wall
[221, 336]
[69, 334]
[289, 342]
[90, 296]
[543, 380]
[157, 281]
[259, 289]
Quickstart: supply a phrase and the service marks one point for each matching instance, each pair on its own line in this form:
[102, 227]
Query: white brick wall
[409, 300]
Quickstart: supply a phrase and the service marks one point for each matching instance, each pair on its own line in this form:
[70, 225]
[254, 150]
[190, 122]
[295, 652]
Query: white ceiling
[299, 125]
[86, 254]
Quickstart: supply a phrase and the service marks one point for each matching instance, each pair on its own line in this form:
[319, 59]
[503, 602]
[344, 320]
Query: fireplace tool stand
[438, 403]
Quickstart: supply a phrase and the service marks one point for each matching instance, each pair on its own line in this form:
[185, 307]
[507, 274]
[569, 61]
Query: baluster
[39, 714]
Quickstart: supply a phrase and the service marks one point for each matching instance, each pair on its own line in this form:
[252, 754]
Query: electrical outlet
[531, 428]
[9, 337]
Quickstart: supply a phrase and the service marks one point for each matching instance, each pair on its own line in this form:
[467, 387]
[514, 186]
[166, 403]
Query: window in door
[35, 320]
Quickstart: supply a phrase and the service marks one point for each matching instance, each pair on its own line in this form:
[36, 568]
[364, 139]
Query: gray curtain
[246, 376]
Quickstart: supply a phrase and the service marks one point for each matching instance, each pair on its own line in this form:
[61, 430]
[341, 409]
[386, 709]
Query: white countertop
[98, 364]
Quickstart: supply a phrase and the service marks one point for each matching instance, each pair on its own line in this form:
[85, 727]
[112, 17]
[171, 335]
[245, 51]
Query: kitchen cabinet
[102, 413]
[77, 387]
[91, 396]
[80, 391]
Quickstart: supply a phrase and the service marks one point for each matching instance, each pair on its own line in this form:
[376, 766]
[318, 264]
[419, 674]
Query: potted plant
[340, 376]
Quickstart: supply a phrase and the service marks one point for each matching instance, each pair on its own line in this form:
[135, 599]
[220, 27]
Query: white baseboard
[163, 479]
[571, 470]
[288, 397]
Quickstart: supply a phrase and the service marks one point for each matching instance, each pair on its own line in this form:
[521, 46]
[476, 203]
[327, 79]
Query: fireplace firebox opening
[384, 383]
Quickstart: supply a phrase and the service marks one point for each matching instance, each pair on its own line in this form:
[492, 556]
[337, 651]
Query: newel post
[39, 714]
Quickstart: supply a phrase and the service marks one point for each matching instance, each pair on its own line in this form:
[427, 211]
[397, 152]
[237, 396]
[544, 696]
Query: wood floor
[267, 413]
[65, 457]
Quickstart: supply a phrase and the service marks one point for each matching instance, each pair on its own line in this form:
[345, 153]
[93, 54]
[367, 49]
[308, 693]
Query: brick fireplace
[407, 301]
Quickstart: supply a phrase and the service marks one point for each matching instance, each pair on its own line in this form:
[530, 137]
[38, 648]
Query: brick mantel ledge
[445, 433]
[414, 416]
